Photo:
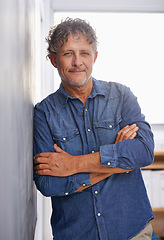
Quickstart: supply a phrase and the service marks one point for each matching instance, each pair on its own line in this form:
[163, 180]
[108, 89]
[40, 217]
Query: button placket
[97, 200]
[86, 119]
[88, 129]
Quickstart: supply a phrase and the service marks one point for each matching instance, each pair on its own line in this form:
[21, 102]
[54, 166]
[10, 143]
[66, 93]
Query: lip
[77, 72]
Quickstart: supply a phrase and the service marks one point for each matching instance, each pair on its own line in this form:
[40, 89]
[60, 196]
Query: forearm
[94, 178]
[71, 179]
[92, 163]
[82, 171]
[60, 163]
[98, 177]
[129, 154]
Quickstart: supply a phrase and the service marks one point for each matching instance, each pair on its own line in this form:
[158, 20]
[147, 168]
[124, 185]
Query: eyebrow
[70, 50]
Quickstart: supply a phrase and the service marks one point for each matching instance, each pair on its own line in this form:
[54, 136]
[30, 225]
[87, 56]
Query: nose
[76, 61]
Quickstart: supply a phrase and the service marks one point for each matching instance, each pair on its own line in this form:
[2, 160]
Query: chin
[76, 83]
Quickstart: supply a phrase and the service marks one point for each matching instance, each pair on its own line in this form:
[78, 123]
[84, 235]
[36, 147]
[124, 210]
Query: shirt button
[64, 138]
[89, 129]
[108, 163]
[110, 126]
[66, 193]
[96, 192]
[93, 151]
[86, 109]
[84, 185]
[98, 214]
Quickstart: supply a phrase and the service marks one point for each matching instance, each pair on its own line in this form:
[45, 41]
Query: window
[131, 51]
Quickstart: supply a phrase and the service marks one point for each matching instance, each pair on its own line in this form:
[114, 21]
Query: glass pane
[131, 52]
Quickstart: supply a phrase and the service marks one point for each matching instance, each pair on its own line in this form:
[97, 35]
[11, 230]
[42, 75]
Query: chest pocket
[69, 141]
[106, 131]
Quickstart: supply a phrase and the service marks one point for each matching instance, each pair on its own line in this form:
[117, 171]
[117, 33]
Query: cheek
[90, 66]
[61, 66]
[65, 65]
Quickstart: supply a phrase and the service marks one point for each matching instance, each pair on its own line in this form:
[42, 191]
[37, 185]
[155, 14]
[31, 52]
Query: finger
[120, 133]
[133, 135]
[129, 133]
[41, 167]
[39, 160]
[44, 172]
[50, 173]
[132, 126]
[132, 130]
[57, 149]
[43, 154]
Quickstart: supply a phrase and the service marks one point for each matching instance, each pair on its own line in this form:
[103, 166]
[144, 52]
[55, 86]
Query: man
[90, 141]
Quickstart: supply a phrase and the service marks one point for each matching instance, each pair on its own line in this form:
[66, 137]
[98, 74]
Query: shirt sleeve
[43, 142]
[131, 153]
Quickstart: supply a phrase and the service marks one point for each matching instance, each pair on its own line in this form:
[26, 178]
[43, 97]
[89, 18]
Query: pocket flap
[65, 136]
[109, 124]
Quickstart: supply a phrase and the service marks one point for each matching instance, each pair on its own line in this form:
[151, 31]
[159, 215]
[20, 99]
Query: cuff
[108, 154]
[82, 179]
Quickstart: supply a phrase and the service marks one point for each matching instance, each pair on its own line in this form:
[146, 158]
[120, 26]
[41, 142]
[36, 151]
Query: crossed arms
[57, 173]
[62, 164]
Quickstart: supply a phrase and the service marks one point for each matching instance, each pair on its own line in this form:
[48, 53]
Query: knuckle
[126, 135]
[39, 167]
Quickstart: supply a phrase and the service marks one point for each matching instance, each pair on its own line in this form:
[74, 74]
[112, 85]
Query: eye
[85, 53]
[67, 53]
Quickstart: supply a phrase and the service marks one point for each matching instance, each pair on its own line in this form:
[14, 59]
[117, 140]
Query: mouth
[76, 71]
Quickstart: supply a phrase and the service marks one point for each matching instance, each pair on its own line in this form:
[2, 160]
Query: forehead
[76, 41]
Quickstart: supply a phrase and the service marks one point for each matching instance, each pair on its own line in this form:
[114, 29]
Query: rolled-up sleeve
[131, 153]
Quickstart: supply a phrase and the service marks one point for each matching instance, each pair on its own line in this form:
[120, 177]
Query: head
[72, 49]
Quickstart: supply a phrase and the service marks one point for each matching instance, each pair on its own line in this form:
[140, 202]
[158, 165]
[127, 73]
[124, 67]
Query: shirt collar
[97, 89]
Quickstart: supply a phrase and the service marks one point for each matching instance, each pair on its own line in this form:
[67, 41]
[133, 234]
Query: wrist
[89, 162]
[81, 163]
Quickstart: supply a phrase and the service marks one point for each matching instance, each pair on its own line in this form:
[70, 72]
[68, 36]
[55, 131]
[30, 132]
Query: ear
[95, 56]
[53, 60]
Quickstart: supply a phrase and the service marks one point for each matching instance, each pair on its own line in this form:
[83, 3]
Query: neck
[80, 92]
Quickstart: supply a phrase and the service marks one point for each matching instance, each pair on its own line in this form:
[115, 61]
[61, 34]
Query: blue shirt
[117, 208]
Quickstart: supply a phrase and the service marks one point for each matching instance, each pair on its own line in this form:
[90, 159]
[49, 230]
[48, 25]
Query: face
[75, 60]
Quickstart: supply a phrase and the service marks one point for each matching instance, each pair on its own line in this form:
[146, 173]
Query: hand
[128, 132]
[58, 163]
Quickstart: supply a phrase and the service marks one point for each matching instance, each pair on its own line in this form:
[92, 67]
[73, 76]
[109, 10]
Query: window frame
[154, 6]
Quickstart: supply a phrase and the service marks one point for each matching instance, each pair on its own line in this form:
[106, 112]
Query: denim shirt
[116, 208]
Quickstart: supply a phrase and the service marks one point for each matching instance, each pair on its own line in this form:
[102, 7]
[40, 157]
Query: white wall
[17, 201]
[44, 79]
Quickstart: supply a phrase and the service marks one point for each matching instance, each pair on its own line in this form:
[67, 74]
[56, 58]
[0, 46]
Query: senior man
[90, 141]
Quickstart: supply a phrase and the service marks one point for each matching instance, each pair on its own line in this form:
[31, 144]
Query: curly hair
[59, 33]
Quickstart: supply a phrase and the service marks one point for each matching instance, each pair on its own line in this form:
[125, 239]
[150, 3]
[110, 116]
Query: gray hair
[58, 34]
